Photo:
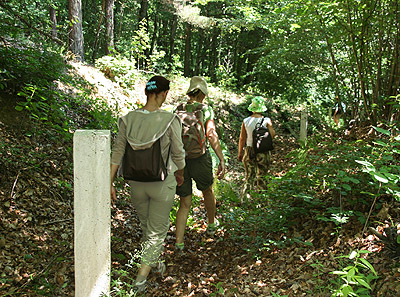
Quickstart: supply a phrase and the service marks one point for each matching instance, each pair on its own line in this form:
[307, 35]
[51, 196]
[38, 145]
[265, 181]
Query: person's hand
[113, 194]
[221, 170]
[179, 177]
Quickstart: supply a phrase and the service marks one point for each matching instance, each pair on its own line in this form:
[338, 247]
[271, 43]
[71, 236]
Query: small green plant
[318, 273]
[352, 279]
[122, 284]
[219, 289]
[337, 216]
[277, 295]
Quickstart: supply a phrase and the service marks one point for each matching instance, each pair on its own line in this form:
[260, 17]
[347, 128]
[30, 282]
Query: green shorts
[200, 170]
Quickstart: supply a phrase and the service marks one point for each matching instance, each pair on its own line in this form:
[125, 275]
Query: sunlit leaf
[383, 131]
[380, 177]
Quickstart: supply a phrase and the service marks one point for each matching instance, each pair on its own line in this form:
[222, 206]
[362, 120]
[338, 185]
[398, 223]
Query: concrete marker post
[92, 213]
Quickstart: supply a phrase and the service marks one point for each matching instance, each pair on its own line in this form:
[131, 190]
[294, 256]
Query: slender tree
[53, 20]
[76, 30]
[187, 59]
[109, 11]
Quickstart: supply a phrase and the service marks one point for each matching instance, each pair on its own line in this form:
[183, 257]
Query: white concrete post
[92, 213]
[303, 124]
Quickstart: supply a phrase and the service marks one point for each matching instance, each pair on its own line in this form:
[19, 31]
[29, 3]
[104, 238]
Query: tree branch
[24, 21]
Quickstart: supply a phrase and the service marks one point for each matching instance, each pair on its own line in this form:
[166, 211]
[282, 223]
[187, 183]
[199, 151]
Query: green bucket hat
[257, 104]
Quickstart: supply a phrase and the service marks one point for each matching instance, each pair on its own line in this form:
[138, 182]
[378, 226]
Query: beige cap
[197, 82]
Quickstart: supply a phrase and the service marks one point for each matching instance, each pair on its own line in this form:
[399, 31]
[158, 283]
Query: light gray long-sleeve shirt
[142, 128]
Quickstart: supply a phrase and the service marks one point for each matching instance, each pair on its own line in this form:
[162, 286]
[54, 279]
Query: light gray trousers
[153, 202]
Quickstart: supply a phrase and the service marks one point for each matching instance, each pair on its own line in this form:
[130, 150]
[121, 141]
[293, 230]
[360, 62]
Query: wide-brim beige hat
[197, 82]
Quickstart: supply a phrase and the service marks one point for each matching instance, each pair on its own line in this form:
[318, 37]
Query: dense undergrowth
[322, 195]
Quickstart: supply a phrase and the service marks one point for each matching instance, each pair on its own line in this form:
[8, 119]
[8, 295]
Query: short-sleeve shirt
[250, 125]
[208, 113]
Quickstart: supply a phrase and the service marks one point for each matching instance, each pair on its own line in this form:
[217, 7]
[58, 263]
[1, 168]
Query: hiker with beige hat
[198, 130]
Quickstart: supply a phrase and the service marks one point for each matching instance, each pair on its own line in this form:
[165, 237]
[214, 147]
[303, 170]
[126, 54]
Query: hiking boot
[160, 268]
[179, 247]
[211, 229]
[140, 287]
[180, 250]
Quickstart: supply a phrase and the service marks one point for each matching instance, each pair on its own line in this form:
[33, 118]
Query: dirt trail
[36, 230]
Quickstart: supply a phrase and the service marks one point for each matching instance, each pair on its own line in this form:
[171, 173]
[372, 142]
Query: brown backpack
[193, 131]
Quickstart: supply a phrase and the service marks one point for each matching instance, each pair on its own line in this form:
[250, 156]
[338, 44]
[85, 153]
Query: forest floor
[36, 232]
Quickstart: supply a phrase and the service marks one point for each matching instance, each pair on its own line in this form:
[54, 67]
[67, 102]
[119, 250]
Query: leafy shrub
[119, 69]
[29, 66]
[382, 165]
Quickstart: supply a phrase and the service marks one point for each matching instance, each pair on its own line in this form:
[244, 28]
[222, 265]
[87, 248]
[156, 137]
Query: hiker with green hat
[198, 130]
[255, 167]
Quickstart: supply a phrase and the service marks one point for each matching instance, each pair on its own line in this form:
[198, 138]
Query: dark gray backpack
[145, 165]
[262, 139]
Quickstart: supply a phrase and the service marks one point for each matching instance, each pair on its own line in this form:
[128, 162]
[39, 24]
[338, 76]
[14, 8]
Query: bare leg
[210, 204]
[143, 272]
[185, 204]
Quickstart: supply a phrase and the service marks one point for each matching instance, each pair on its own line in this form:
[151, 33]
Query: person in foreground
[199, 168]
[152, 200]
[255, 168]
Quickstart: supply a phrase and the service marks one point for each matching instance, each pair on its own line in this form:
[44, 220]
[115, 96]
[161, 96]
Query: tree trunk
[213, 54]
[144, 6]
[143, 19]
[53, 20]
[238, 60]
[96, 41]
[335, 67]
[121, 12]
[172, 35]
[200, 53]
[358, 59]
[76, 30]
[188, 40]
[155, 34]
[109, 9]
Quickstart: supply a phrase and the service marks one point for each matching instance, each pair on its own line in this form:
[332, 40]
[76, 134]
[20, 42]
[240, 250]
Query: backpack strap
[169, 150]
[260, 124]
[181, 107]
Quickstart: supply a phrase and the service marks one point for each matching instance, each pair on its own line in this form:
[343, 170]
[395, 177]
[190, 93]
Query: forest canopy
[79, 64]
[303, 52]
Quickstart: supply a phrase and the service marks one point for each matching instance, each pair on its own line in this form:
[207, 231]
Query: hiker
[338, 111]
[255, 167]
[198, 159]
[152, 200]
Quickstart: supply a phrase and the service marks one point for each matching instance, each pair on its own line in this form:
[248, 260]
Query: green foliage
[254, 223]
[140, 42]
[337, 216]
[381, 165]
[32, 73]
[122, 282]
[277, 295]
[119, 69]
[320, 166]
[29, 66]
[191, 221]
[318, 273]
[219, 289]
[353, 280]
